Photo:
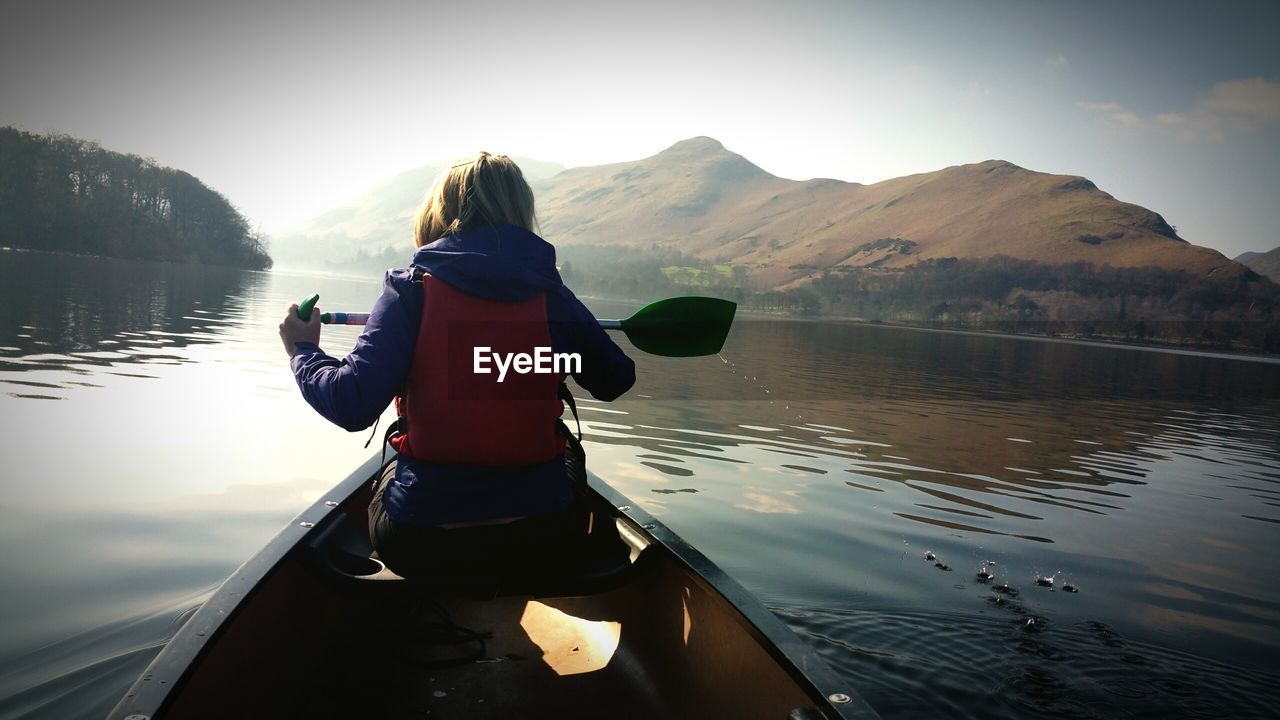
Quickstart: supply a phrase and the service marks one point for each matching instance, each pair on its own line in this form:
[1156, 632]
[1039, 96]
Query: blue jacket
[499, 262]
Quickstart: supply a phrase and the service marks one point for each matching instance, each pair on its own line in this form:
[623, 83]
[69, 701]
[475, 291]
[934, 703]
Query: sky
[291, 108]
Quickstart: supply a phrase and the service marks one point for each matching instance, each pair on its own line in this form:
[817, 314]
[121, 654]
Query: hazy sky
[289, 108]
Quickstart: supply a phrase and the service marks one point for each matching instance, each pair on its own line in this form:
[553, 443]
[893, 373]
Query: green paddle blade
[681, 327]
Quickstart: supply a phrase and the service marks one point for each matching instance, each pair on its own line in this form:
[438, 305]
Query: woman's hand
[294, 329]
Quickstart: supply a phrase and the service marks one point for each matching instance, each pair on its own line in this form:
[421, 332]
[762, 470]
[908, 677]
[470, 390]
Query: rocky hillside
[702, 199]
[1264, 263]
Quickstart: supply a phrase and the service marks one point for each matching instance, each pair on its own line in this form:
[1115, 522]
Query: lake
[153, 439]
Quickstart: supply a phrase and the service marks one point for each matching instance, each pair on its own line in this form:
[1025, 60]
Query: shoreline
[746, 312]
[1089, 342]
[156, 261]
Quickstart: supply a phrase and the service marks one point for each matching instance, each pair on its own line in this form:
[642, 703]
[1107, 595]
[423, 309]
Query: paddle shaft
[675, 327]
[354, 318]
[346, 318]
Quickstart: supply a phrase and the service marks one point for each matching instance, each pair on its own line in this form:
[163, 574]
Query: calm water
[153, 440]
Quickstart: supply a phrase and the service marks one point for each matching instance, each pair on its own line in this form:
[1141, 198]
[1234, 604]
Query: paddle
[678, 327]
[675, 327]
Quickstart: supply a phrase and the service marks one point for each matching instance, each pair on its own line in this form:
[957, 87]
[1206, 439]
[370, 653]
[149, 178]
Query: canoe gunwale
[800, 660]
[149, 694]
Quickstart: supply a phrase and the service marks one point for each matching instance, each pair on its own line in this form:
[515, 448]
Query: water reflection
[1146, 479]
[101, 595]
[68, 318]
[1009, 663]
[177, 448]
[816, 462]
[1015, 421]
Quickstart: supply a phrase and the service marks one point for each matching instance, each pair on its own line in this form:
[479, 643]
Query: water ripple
[1013, 663]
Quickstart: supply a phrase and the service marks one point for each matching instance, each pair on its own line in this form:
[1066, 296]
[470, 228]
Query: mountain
[707, 201]
[986, 245]
[379, 218]
[703, 200]
[1263, 263]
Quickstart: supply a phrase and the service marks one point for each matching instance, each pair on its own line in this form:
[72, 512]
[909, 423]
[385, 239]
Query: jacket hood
[496, 262]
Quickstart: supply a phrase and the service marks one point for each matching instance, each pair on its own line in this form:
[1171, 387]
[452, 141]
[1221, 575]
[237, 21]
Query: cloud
[1057, 63]
[1228, 109]
[1113, 113]
[762, 501]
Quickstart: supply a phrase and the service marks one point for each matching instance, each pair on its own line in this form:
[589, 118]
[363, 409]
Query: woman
[480, 474]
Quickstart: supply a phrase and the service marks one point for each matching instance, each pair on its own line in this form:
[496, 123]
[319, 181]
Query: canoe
[314, 627]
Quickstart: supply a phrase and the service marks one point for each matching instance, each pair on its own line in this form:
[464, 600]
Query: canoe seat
[339, 552]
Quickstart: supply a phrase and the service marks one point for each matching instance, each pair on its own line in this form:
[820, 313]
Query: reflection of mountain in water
[969, 432]
[72, 314]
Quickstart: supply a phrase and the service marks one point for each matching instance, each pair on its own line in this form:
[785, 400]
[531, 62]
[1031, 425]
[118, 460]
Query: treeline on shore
[1077, 299]
[60, 193]
[998, 293]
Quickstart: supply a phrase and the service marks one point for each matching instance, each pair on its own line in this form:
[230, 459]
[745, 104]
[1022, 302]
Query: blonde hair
[483, 190]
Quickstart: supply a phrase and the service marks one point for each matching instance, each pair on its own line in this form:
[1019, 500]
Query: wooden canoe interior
[301, 648]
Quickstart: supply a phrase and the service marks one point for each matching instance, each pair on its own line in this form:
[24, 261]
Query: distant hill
[700, 199]
[1264, 263]
[705, 200]
[377, 219]
[65, 194]
[987, 245]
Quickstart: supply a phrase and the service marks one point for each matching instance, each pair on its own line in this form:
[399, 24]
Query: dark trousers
[525, 546]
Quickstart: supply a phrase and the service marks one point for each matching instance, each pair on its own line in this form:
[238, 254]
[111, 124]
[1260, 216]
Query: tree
[62, 193]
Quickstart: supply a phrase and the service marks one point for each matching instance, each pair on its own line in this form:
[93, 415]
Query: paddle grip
[305, 307]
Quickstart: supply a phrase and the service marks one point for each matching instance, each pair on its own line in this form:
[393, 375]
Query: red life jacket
[457, 416]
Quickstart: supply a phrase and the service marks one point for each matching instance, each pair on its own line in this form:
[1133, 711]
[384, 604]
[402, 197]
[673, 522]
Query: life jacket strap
[394, 436]
[567, 397]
